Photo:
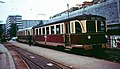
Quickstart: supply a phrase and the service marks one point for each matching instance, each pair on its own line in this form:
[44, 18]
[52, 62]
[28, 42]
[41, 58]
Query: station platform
[72, 60]
[6, 61]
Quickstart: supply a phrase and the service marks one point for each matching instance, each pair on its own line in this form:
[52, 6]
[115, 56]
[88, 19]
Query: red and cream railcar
[84, 31]
[24, 34]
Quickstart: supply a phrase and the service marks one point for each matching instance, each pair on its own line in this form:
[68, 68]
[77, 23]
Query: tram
[83, 31]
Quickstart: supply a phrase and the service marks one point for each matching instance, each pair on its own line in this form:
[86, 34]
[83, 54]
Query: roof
[79, 17]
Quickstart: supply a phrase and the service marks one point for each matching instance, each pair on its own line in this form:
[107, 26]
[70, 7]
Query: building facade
[13, 19]
[31, 23]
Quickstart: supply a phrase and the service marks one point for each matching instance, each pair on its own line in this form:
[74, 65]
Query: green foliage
[13, 30]
[1, 31]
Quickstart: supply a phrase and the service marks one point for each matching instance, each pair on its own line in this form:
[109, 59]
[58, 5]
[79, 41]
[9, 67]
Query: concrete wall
[118, 1]
[108, 9]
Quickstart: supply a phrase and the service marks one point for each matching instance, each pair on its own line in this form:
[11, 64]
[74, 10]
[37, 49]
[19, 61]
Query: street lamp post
[69, 41]
[68, 18]
[67, 34]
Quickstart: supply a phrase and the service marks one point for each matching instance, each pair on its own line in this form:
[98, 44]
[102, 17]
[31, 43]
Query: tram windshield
[78, 27]
[101, 26]
[90, 26]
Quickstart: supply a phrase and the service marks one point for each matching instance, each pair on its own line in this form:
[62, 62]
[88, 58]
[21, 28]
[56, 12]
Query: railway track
[33, 63]
[112, 55]
[36, 61]
[106, 54]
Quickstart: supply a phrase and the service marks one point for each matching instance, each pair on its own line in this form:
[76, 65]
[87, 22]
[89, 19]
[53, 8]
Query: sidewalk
[6, 61]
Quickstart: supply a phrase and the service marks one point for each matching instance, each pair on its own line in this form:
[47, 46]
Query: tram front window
[101, 26]
[78, 27]
[90, 26]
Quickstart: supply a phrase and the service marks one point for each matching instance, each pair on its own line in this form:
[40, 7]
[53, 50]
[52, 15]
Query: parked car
[14, 38]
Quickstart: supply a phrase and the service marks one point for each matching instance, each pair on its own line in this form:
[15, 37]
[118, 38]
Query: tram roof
[79, 17]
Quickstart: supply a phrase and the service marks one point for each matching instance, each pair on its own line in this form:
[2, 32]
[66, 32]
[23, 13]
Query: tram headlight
[89, 37]
[106, 36]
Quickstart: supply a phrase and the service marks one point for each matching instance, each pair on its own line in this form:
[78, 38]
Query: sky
[34, 9]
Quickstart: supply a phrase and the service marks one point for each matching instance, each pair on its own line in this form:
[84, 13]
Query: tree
[1, 30]
[13, 30]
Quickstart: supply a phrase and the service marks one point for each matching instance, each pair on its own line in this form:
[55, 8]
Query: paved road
[78, 62]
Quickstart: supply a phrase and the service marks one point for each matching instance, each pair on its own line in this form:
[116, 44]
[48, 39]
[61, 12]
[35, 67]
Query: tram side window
[78, 27]
[28, 33]
[67, 28]
[62, 29]
[47, 30]
[101, 26]
[36, 31]
[39, 31]
[57, 29]
[43, 30]
[90, 26]
[33, 31]
[52, 29]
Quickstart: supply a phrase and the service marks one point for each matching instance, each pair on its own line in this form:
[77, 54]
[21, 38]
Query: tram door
[67, 34]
